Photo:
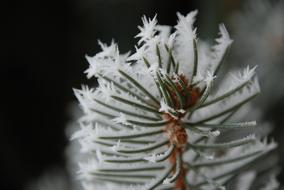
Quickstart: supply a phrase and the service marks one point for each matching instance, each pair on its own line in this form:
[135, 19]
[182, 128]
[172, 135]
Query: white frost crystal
[153, 121]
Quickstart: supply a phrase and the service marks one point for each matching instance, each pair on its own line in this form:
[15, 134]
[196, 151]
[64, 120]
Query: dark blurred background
[44, 46]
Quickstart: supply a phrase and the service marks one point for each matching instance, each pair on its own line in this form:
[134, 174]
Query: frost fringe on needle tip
[155, 118]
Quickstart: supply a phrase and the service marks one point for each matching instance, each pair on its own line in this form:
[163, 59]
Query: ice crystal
[154, 121]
